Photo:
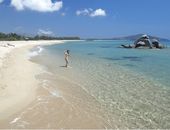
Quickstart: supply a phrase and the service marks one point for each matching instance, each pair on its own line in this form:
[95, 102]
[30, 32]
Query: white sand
[17, 76]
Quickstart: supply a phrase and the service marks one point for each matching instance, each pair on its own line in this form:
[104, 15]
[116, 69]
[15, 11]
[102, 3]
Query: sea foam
[36, 51]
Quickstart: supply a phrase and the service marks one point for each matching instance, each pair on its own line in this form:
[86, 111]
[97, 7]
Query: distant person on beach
[66, 56]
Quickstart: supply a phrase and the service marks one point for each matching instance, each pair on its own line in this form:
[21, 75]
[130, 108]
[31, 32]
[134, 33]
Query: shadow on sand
[63, 66]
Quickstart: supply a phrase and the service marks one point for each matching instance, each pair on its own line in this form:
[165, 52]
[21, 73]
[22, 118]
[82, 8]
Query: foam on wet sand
[17, 76]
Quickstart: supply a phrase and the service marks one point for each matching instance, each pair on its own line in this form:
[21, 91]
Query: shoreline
[25, 102]
[18, 83]
[58, 99]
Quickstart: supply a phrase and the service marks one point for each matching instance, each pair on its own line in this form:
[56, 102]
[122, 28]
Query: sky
[86, 18]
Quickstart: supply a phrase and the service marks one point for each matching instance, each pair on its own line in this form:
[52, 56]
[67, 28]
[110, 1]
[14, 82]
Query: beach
[28, 101]
[17, 76]
[103, 89]
[84, 65]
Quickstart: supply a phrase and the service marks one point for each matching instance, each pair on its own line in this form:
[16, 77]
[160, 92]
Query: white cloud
[98, 12]
[1, 1]
[44, 32]
[83, 12]
[90, 12]
[37, 5]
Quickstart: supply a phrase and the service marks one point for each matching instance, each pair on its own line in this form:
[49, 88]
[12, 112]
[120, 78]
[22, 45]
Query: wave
[36, 51]
[51, 90]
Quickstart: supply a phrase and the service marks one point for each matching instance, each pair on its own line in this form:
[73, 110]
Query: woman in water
[66, 56]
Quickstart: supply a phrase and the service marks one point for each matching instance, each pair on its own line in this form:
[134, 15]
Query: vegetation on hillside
[17, 37]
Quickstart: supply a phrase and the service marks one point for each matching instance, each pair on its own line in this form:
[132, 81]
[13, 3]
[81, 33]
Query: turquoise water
[131, 87]
[154, 63]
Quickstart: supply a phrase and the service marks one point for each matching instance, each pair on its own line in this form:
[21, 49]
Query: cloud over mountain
[44, 32]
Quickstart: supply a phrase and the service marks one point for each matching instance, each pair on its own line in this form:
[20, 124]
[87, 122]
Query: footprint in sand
[2, 92]
[2, 86]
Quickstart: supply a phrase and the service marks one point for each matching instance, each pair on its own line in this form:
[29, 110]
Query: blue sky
[86, 18]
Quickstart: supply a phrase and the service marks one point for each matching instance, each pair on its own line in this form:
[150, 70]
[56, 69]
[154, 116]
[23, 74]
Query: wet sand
[64, 98]
[17, 77]
[28, 100]
[52, 109]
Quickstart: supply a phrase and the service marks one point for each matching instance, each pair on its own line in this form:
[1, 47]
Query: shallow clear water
[107, 85]
[153, 63]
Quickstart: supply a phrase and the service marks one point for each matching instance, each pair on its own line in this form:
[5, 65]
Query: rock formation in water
[145, 42]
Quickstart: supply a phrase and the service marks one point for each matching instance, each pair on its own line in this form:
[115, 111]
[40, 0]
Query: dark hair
[68, 51]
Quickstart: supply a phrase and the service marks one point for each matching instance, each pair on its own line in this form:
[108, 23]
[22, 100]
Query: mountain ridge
[136, 36]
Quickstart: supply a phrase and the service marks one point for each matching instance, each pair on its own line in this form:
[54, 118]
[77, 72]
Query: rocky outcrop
[145, 42]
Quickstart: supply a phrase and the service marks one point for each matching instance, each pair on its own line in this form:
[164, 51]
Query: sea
[104, 87]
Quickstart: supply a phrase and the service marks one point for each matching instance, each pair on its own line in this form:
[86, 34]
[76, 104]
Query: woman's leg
[66, 62]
